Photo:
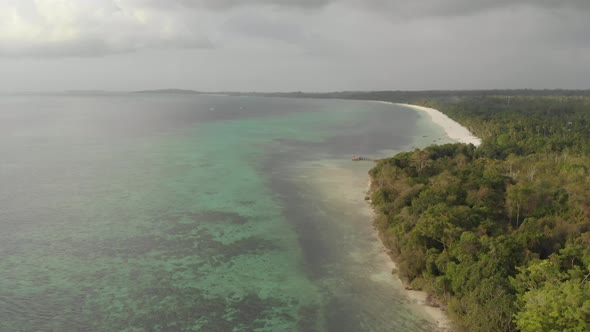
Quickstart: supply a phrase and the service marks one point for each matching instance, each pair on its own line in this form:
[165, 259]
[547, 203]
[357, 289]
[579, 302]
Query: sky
[293, 45]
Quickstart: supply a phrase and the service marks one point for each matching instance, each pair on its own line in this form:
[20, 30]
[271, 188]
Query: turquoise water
[194, 213]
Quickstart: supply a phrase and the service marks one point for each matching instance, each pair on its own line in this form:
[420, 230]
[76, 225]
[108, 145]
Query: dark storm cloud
[99, 27]
[258, 26]
[317, 45]
[450, 8]
[224, 4]
[440, 7]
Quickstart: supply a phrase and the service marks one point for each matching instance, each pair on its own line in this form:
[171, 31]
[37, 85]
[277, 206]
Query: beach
[456, 132]
[340, 188]
[453, 129]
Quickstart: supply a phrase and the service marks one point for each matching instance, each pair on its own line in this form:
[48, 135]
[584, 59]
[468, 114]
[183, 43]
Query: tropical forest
[499, 234]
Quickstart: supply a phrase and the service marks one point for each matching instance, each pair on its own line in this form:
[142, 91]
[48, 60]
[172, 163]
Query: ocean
[156, 212]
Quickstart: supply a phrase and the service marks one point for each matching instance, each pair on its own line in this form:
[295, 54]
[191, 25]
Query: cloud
[57, 28]
[256, 25]
[225, 4]
[454, 7]
[401, 9]
[317, 45]
[53, 28]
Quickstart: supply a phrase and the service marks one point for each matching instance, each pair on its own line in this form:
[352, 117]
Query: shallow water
[171, 212]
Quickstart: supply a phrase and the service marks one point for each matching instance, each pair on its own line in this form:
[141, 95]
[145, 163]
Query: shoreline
[352, 185]
[417, 297]
[453, 129]
[357, 188]
[456, 132]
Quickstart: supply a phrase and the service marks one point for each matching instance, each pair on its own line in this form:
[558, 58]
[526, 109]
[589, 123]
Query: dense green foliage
[524, 125]
[500, 233]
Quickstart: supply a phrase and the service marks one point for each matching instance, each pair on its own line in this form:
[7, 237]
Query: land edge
[432, 306]
[452, 128]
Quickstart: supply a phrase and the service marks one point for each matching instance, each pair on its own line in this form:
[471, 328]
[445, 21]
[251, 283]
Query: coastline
[453, 129]
[348, 186]
[416, 297]
[456, 132]
[343, 186]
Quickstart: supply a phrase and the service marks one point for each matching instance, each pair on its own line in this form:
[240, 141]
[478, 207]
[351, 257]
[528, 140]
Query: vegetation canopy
[500, 234]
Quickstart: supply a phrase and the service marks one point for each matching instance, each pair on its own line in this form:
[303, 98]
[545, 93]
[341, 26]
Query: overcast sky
[287, 45]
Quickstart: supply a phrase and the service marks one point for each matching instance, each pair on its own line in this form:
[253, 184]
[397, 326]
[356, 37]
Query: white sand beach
[453, 129]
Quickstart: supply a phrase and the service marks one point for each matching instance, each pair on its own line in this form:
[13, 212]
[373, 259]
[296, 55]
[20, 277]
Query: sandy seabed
[344, 184]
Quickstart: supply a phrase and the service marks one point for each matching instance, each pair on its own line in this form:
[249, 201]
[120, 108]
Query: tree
[555, 307]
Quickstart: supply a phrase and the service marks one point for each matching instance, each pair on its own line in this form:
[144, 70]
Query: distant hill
[394, 96]
[85, 92]
[169, 91]
[413, 96]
